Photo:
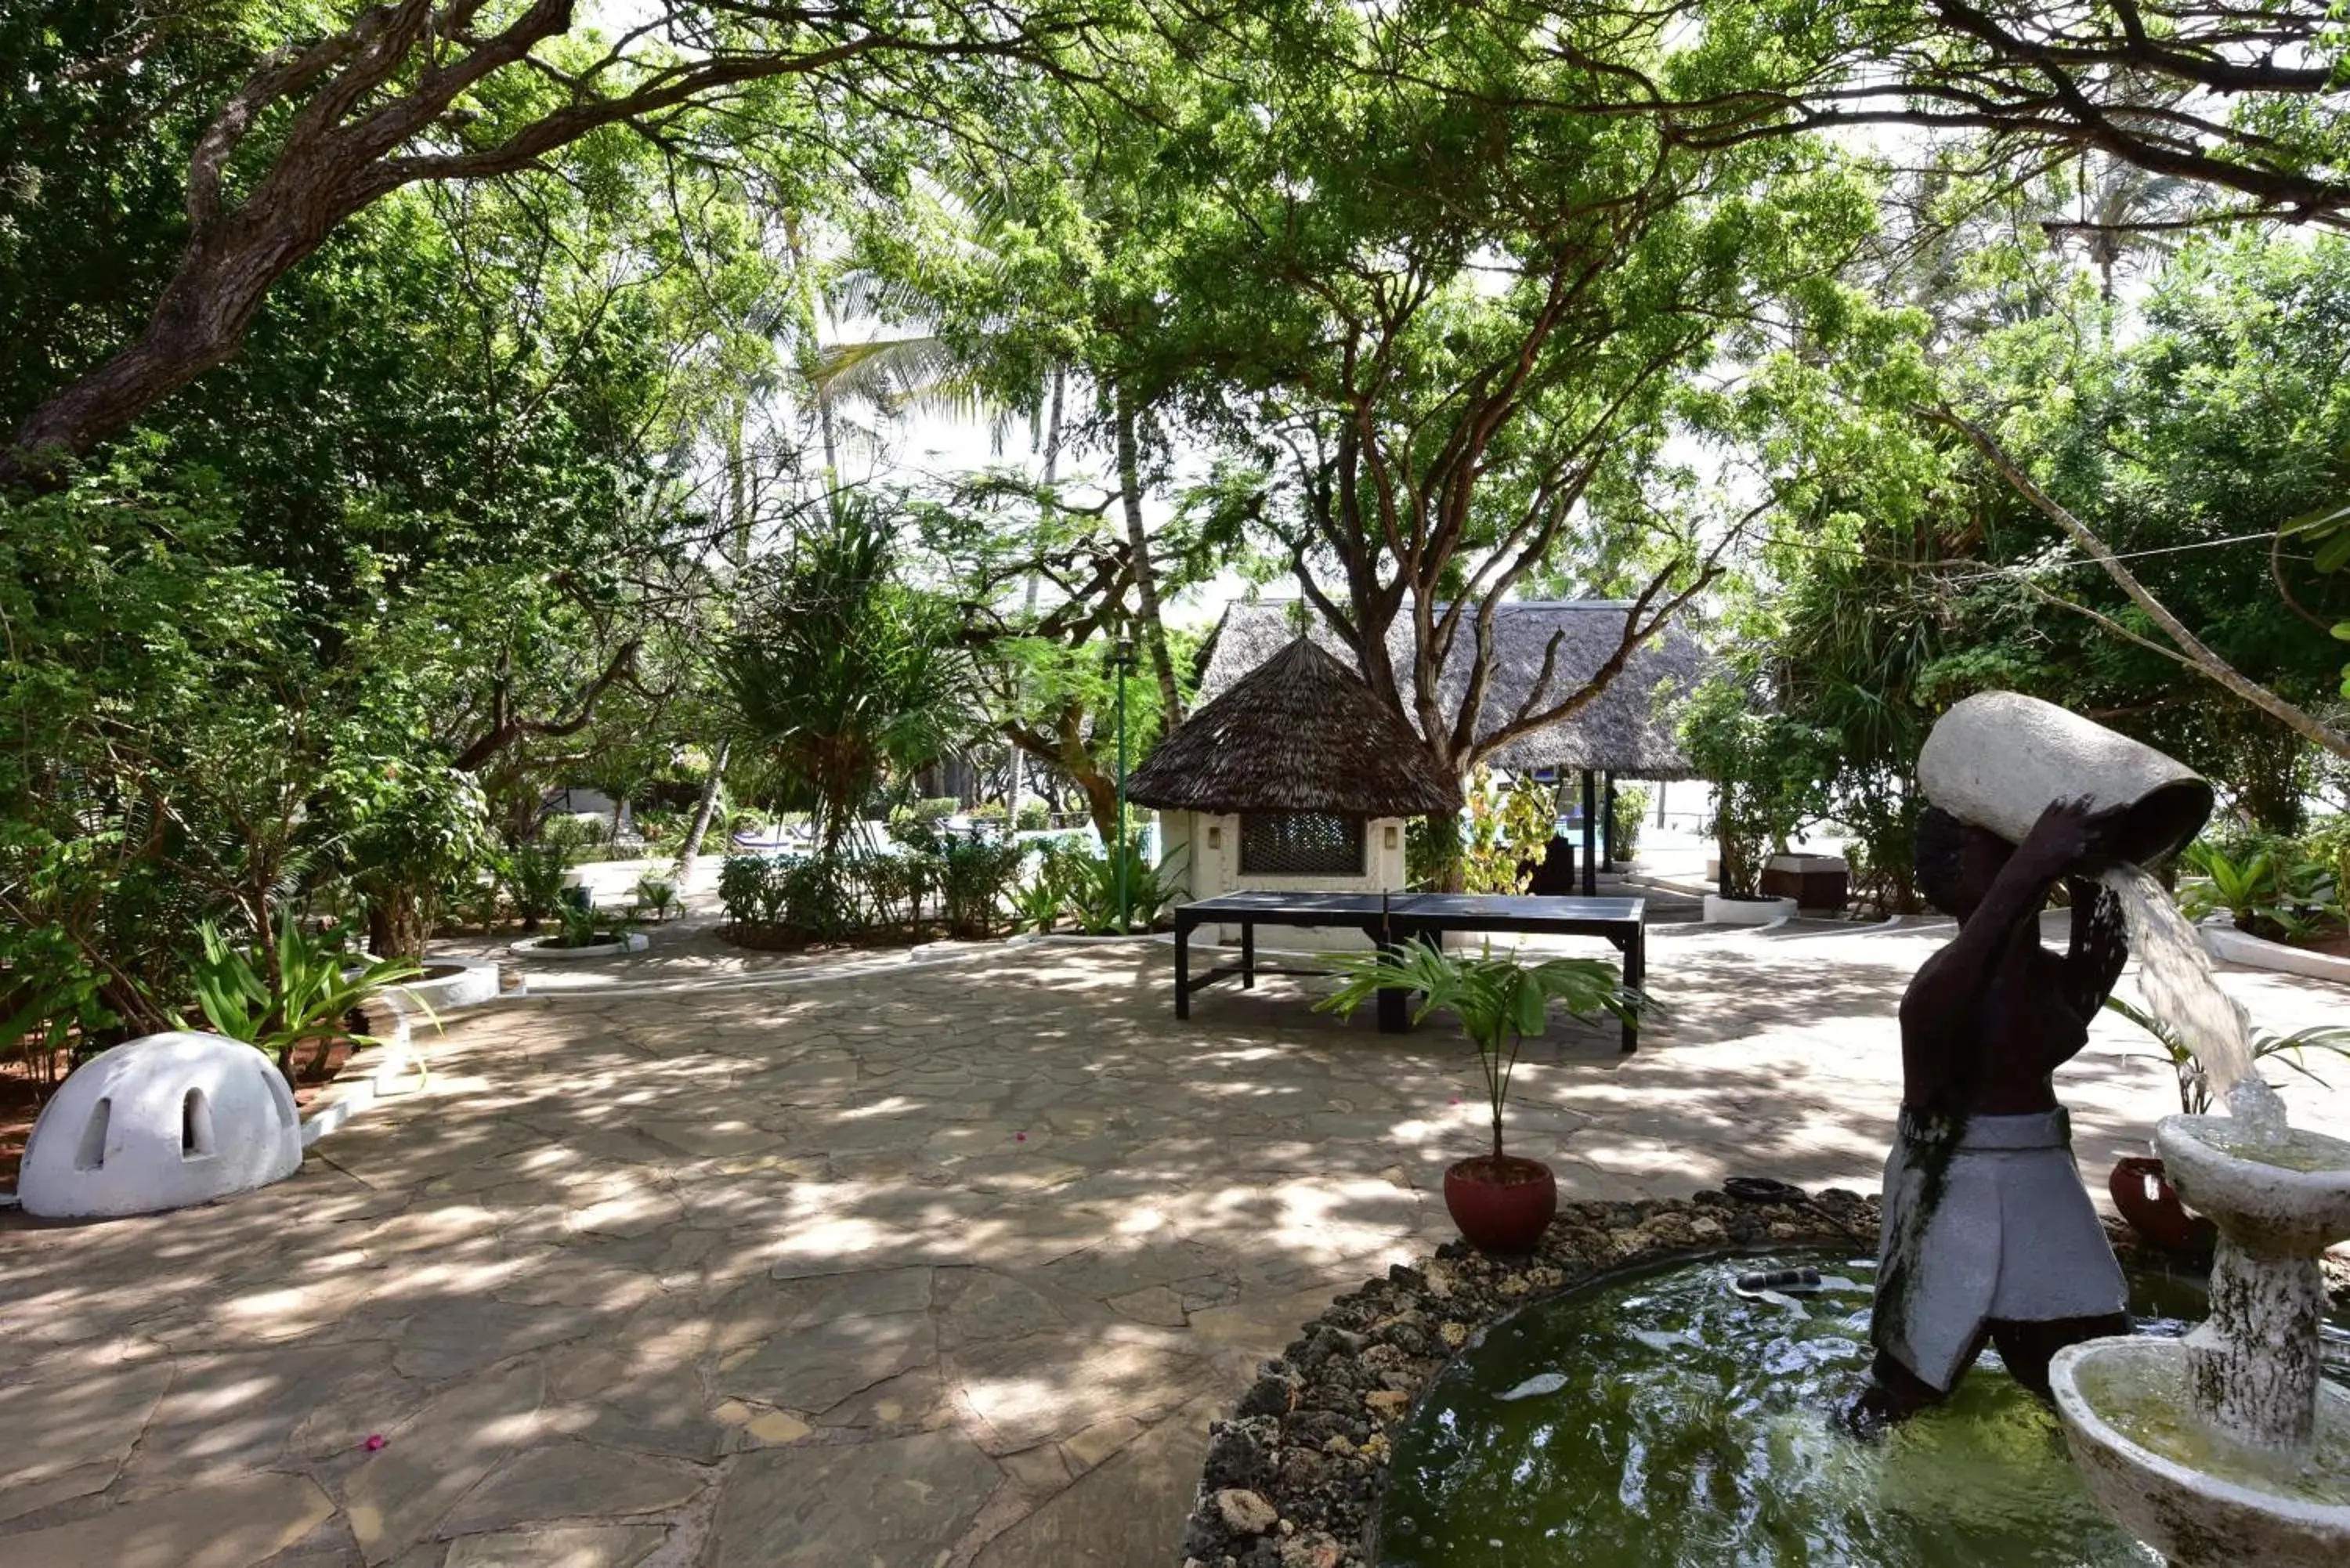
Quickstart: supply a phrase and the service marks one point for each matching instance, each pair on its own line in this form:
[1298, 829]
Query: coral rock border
[1295, 1479]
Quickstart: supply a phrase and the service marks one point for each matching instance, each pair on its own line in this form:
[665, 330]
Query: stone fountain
[2226, 1447]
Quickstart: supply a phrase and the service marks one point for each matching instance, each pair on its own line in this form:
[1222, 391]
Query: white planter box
[475, 982]
[1722, 911]
[543, 948]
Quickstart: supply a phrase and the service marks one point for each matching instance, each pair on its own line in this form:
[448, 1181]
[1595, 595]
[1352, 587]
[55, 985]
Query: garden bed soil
[1296, 1476]
[22, 1095]
[798, 939]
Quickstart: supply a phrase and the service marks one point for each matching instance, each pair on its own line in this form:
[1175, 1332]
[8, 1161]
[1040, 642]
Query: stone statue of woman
[1989, 1234]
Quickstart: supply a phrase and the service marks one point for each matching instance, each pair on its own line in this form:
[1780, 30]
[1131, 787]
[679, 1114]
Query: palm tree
[841, 673]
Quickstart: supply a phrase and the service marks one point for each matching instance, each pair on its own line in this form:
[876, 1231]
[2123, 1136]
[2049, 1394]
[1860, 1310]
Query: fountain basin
[2193, 1496]
[2284, 1194]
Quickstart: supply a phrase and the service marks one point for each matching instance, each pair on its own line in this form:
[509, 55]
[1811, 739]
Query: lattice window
[1301, 844]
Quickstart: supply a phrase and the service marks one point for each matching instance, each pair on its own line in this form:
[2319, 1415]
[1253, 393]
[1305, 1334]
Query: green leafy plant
[50, 999]
[839, 673]
[1036, 903]
[1769, 772]
[1090, 889]
[658, 895]
[1034, 817]
[1507, 830]
[2194, 1089]
[1499, 1002]
[977, 876]
[2273, 887]
[297, 987]
[1631, 811]
[533, 877]
[582, 924]
[813, 897]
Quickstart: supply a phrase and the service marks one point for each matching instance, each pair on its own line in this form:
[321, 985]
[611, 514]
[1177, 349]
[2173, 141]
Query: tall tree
[317, 128]
[1438, 313]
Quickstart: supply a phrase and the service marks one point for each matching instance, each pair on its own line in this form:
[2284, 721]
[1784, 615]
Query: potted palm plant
[1501, 1201]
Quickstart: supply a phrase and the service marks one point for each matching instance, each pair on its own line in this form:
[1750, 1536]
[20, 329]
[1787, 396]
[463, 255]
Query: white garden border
[1722, 911]
[2258, 953]
[474, 983]
[543, 948]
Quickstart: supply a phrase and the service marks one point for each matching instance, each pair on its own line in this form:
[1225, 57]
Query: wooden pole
[1608, 823]
[1590, 830]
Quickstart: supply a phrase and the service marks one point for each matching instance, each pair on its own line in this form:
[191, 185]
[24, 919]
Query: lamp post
[1125, 660]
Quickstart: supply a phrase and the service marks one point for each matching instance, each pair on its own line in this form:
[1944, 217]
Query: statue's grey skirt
[1985, 1218]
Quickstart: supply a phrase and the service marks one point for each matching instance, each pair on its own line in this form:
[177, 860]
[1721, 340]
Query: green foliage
[1034, 816]
[925, 813]
[1768, 772]
[1090, 884]
[51, 1000]
[975, 881]
[533, 879]
[1631, 815]
[1499, 1002]
[658, 893]
[294, 986]
[2271, 885]
[840, 673]
[1432, 851]
[580, 924]
[1506, 831]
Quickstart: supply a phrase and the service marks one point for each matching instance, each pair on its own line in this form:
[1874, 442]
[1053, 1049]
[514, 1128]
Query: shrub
[568, 835]
[976, 877]
[534, 879]
[1092, 889]
[990, 811]
[1631, 808]
[658, 893]
[1034, 817]
[812, 898]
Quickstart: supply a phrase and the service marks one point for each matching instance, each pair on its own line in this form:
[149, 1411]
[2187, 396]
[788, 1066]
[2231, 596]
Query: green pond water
[1664, 1418]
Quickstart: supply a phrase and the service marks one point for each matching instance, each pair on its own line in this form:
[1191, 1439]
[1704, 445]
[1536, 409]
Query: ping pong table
[1392, 920]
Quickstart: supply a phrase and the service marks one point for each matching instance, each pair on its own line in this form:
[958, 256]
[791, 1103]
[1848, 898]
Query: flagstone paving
[947, 1263]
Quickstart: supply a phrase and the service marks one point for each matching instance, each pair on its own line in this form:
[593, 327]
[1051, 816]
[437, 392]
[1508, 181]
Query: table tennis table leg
[1395, 1001]
[1636, 974]
[1183, 968]
[1248, 955]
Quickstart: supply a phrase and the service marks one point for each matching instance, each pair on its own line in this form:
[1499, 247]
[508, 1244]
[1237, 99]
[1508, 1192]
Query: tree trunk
[691, 850]
[397, 928]
[1102, 802]
[196, 326]
[1146, 576]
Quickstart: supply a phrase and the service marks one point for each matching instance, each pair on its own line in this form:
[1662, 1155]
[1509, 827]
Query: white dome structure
[159, 1123]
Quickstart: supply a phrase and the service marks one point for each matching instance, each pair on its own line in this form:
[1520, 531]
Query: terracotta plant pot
[1501, 1203]
[2152, 1207]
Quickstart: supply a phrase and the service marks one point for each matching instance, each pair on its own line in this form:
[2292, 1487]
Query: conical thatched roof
[1627, 729]
[1299, 732]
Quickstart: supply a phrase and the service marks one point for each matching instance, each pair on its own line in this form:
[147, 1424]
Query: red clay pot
[2151, 1205]
[1501, 1203]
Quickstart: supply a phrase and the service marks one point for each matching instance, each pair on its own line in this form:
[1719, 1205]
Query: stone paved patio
[946, 1262]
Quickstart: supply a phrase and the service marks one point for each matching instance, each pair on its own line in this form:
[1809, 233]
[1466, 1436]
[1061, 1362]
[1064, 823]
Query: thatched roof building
[1627, 731]
[1296, 732]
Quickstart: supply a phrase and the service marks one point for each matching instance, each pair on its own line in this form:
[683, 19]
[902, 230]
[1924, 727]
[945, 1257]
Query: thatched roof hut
[1627, 731]
[1298, 732]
